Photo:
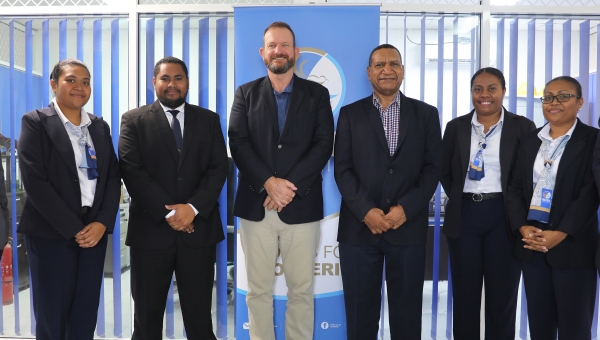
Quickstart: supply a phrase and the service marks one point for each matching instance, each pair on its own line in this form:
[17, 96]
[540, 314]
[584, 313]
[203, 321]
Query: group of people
[520, 200]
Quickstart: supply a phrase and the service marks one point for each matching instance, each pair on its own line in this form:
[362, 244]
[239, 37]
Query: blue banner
[335, 43]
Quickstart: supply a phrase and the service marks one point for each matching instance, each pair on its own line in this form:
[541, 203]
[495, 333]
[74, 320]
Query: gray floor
[24, 331]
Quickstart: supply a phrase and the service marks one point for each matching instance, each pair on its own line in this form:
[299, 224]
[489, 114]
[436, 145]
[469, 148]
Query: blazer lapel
[269, 103]
[531, 151]
[464, 142]
[58, 135]
[161, 121]
[406, 112]
[375, 119]
[574, 147]
[295, 102]
[508, 138]
[97, 134]
[190, 122]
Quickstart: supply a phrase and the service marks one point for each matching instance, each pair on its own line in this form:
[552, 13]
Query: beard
[172, 103]
[290, 62]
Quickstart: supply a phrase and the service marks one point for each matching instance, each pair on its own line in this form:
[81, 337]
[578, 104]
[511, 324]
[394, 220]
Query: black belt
[481, 197]
[85, 210]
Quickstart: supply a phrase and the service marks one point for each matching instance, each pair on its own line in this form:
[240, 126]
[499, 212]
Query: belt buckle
[477, 197]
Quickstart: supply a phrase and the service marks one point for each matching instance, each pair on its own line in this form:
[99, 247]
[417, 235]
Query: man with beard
[280, 137]
[174, 163]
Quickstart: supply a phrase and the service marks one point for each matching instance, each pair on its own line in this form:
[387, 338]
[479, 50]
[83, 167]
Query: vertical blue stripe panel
[149, 61]
[530, 67]
[472, 64]
[168, 34]
[387, 28]
[549, 48]
[449, 304]
[170, 314]
[13, 180]
[45, 60]
[500, 45]
[596, 104]
[523, 323]
[404, 51]
[114, 127]
[100, 322]
[186, 46]
[454, 70]
[62, 39]
[80, 29]
[566, 69]
[436, 226]
[30, 104]
[422, 62]
[222, 246]
[382, 308]
[97, 76]
[203, 52]
[512, 72]
[595, 317]
[584, 70]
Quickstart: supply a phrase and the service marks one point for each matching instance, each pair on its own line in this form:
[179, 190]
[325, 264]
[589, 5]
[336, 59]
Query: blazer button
[76, 180]
[180, 178]
[279, 146]
[387, 200]
[391, 171]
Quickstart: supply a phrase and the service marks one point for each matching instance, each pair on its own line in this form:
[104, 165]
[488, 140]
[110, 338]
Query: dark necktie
[176, 129]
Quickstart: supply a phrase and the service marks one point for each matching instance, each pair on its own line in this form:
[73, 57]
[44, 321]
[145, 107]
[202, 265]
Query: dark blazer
[5, 226]
[49, 173]
[156, 175]
[368, 177]
[297, 155]
[574, 203]
[456, 146]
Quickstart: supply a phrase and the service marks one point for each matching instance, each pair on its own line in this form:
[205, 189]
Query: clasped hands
[183, 218]
[280, 193]
[378, 222]
[90, 235]
[540, 240]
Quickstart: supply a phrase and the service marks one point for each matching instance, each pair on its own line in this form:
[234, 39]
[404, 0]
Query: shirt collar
[179, 108]
[500, 122]
[85, 119]
[396, 100]
[545, 133]
[287, 89]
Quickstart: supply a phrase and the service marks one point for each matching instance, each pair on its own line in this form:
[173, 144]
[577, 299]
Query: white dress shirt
[87, 186]
[180, 117]
[491, 159]
[538, 165]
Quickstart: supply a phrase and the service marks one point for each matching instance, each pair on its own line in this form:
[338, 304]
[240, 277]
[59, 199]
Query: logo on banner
[324, 325]
[319, 66]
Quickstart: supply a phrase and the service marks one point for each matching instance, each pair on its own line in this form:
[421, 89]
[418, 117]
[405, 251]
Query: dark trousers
[482, 252]
[66, 281]
[558, 299]
[151, 273]
[362, 270]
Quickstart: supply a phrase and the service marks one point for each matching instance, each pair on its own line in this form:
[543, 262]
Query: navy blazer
[49, 174]
[297, 155]
[368, 177]
[574, 203]
[456, 159]
[157, 175]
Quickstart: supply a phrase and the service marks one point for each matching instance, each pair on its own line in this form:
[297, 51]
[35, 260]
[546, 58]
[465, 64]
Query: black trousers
[66, 281]
[362, 270]
[151, 273]
[482, 252]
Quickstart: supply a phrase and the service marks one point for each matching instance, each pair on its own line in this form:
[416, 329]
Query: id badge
[541, 212]
[476, 171]
[92, 153]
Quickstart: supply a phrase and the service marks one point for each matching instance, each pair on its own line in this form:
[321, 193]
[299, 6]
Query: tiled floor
[24, 323]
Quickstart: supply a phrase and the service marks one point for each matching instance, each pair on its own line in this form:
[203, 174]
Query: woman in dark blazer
[479, 152]
[553, 203]
[71, 175]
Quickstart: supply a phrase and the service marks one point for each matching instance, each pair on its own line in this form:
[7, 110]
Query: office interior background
[443, 42]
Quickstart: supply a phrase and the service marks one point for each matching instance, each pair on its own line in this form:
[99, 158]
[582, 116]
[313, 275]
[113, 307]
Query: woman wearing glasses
[479, 152]
[553, 203]
[70, 171]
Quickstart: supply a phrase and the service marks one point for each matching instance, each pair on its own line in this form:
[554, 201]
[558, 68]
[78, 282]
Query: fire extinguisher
[7, 275]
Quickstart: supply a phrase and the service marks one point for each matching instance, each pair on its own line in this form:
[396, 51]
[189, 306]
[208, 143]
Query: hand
[90, 235]
[376, 221]
[189, 229]
[183, 217]
[270, 204]
[541, 240]
[280, 190]
[396, 216]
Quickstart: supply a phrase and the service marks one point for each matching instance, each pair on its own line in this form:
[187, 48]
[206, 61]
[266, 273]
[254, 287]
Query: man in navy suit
[280, 136]
[174, 164]
[387, 166]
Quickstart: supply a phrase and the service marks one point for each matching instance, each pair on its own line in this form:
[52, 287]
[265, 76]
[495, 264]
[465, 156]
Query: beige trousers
[298, 243]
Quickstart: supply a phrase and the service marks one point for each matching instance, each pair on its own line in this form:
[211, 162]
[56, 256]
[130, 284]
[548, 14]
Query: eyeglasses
[561, 98]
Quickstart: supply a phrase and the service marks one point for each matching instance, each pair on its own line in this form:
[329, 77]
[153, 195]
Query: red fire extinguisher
[7, 275]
